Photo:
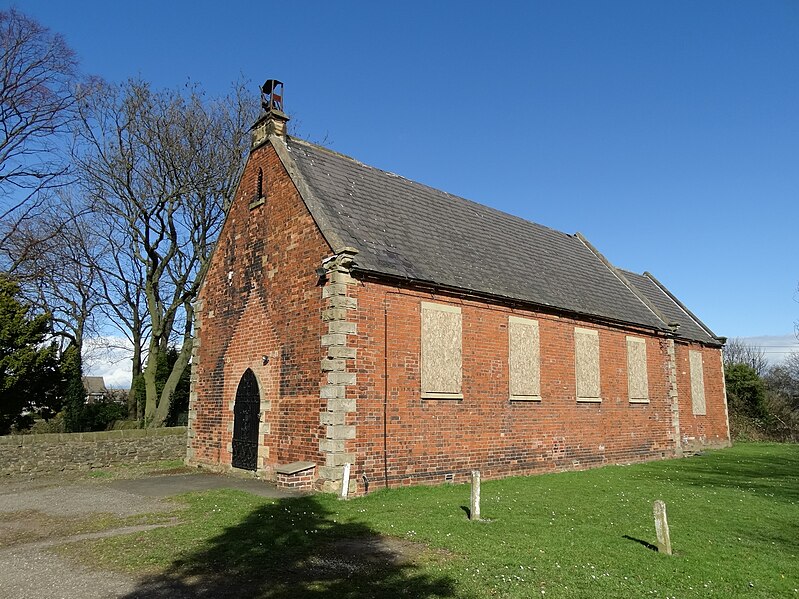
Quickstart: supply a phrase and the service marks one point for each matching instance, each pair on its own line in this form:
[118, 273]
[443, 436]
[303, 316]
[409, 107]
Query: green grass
[28, 526]
[734, 517]
[137, 469]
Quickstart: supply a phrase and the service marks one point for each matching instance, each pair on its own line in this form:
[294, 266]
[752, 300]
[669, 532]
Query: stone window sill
[433, 395]
[589, 400]
[525, 398]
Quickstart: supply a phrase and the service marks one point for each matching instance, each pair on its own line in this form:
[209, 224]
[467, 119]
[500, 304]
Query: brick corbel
[338, 314]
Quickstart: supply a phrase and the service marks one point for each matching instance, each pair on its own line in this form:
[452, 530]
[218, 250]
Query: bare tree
[782, 383]
[82, 271]
[736, 351]
[159, 167]
[784, 379]
[60, 276]
[123, 305]
[38, 72]
[796, 323]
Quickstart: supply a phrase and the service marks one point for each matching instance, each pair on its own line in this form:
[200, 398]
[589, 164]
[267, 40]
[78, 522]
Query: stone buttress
[338, 369]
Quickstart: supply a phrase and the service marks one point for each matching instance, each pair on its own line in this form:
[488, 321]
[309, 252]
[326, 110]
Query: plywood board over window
[524, 359]
[637, 379]
[697, 383]
[586, 363]
[442, 354]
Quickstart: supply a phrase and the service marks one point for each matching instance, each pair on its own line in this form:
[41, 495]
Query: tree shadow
[294, 548]
[759, 473]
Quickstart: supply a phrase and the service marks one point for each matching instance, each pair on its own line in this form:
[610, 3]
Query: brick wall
[64, 452]
[696, 430]
[260, 298]
[427, 439]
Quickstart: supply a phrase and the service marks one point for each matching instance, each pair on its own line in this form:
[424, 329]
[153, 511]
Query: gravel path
[29, 570]
[80, 499]
[29, 573]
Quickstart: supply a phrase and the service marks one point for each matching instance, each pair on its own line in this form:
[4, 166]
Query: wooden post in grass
[474, 510]
[662, 527]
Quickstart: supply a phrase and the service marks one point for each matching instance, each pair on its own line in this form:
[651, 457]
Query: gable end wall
[259, 299]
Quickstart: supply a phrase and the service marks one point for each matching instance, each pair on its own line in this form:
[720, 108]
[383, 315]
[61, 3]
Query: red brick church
[352, 316]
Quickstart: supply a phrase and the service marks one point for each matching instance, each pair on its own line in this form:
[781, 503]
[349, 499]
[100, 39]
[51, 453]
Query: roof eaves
[684, 308]
[315, 207]
[483, 295]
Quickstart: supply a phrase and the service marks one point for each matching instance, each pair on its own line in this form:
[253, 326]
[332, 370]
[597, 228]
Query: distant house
[352, 316]
[95, 389]
[118, 395]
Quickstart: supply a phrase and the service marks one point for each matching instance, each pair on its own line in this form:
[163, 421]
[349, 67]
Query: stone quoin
[419, 336]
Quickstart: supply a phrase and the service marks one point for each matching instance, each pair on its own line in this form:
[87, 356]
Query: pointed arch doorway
[246, 418]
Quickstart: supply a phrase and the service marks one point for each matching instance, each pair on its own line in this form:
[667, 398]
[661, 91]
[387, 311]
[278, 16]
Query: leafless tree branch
[38, 77]
[736, 351]
[158, 168]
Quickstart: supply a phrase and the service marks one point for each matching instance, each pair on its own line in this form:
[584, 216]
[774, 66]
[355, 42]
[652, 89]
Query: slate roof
[672, 310]
[94, 385]
[405, 229]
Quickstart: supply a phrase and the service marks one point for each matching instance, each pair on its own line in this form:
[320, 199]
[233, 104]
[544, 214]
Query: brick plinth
[299, 476]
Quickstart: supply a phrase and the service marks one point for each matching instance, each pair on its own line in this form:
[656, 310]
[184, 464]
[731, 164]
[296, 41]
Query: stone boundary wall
[60, 452]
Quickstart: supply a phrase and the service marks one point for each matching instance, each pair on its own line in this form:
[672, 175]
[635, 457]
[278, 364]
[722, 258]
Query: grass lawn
[136, 469]
[734, 517]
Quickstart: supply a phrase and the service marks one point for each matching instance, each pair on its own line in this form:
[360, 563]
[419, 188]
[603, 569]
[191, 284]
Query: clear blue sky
[666, 132]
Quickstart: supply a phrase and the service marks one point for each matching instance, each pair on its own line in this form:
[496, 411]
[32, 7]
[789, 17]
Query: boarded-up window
[524, 359]
[586, 362]
[637, 379]
[697, 383]
[441, 360]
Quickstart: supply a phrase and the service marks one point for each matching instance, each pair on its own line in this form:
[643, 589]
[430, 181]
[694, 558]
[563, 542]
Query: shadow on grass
[767, 470]
[294, 548]
[756, 468]
[646, 544]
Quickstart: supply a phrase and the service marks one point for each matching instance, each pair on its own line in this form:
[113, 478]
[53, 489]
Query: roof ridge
[617, 272]
[416, 232]
[413, 182]
[682, 306]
